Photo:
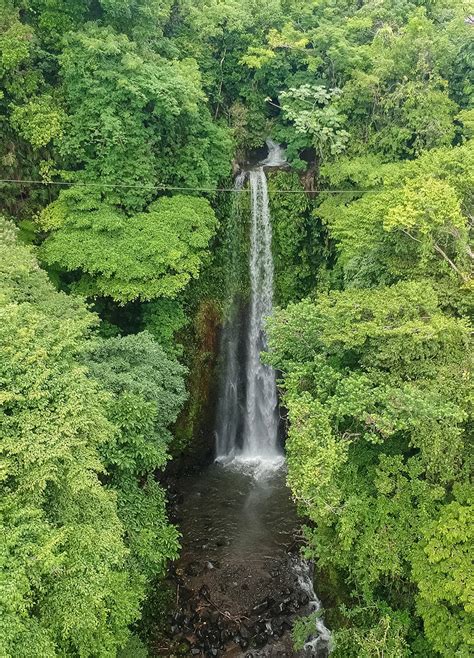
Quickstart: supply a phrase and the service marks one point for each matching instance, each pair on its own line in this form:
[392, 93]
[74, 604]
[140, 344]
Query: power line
[173, 188]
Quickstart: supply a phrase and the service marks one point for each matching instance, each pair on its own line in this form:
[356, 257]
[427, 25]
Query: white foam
[276, 155]
[255, 466]
[303, 571]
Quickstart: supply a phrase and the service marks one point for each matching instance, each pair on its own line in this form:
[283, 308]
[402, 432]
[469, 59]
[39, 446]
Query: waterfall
[261, 413]
[229, 413]
[247, 408]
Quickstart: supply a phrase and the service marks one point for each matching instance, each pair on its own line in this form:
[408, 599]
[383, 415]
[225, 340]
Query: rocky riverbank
[230, 612]
[240, 582]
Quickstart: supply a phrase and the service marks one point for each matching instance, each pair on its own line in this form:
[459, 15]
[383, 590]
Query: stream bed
[240, 579]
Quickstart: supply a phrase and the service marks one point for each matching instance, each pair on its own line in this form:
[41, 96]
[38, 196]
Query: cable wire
[173, 188]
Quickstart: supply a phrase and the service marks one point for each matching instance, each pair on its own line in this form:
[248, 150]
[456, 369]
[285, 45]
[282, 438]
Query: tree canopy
[122, 122]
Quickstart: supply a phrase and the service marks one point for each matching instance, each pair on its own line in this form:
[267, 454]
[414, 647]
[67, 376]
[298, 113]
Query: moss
[193, 430]
[298, 238]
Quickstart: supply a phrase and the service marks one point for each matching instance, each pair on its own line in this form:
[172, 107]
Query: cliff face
[194, 428]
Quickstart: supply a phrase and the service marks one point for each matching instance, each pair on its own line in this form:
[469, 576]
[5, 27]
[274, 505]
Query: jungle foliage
[126, 115]
[375, 361]
[85, 422]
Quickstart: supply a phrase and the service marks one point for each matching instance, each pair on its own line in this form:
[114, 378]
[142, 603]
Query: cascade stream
[242, 580]
[256, 416]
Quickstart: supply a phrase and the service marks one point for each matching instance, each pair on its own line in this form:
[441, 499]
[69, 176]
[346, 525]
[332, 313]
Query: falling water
[229, 415]
[247, 409]
[250, 498]
[276, 155]
[261, 414]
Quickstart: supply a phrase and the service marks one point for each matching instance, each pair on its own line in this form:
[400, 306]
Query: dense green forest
[122, 122]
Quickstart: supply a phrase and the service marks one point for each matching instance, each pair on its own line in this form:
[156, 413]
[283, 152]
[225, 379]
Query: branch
[450, 262]
[438, 249]
[456, 234]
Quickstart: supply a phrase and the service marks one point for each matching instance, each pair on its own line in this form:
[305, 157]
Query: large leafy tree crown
[148, 255]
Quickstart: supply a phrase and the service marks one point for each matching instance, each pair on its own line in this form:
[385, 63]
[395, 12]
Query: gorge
[244, 579]
[233, 372]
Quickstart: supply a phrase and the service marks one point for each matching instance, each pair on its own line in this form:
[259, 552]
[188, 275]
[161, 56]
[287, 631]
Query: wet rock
[204, 592]
[243, 643]
[278, 630]
[286, 624]
[260, 640]
[261, 626]
[195, 651]
[214, 637]
[193, 569]
[225, 636]
[202, 632]
[290, 605]
[244, 632]
[233, 627]
[277, 609]
[186, 620]
[303, 598]
[262, 606]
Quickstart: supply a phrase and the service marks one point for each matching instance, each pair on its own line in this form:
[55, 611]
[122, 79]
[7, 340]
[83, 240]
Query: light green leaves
[443, 571]
[424, 206]
[415, 225]
[151, 254]
[65, 588]
[15, 43]
[313, 112]
[377, 387]
[39, 121]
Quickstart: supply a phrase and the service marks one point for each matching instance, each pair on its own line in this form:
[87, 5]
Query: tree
[415, 223]
[65, 589]
[151, 254]
[377, 389]
[136, 119]
[313, 112]
[148, 392]
[442, 572]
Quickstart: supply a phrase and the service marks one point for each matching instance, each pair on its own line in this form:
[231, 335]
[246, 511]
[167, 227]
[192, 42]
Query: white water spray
[276, 155]
[247, 409]
[320, 642]
[260, 438]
